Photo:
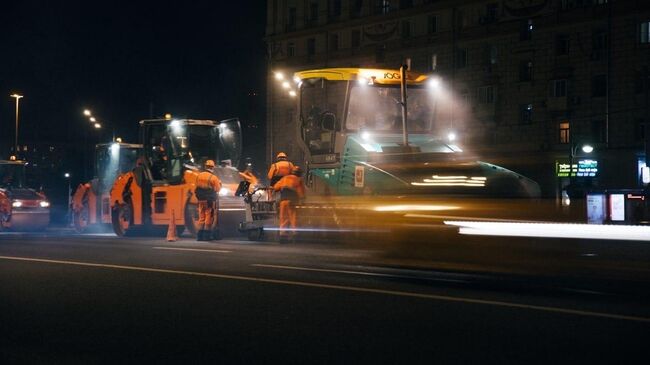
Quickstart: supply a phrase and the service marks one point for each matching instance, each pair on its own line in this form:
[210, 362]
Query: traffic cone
[171, 229]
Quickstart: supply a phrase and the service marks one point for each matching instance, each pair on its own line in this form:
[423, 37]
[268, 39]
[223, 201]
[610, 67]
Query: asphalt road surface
[103, 299]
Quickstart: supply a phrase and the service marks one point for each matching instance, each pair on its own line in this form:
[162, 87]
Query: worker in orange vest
[207, 193]
[292, 191]
[282, 167]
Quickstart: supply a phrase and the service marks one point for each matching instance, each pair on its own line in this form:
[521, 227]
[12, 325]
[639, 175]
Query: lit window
[565, 132]
[644, 32]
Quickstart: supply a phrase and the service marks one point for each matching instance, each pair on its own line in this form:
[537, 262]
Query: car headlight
[16, 204]
[44, 204]
[224, 192]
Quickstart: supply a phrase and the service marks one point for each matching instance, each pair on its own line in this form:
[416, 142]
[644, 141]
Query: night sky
[126, 62]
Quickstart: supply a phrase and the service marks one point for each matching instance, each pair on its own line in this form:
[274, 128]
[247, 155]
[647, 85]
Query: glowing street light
[17, 105]
[97, 125]
[87, 112]
[92, 119]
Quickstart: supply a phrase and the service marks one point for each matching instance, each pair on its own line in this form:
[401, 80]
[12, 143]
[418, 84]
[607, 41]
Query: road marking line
[357, 273]
[190, 249]
[341, 287]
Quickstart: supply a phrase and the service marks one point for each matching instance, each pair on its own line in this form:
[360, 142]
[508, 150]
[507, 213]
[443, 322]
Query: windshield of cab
[12, 175]
[194, 144]
[378, 109]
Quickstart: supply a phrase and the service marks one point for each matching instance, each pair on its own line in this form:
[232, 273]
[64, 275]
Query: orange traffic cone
[171, 230]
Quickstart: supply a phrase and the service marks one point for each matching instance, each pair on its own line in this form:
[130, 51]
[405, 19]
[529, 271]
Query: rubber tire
[119, 212]
[77, 216]
[191, 211]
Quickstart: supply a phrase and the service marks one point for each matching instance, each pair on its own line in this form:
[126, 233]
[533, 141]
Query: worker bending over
[248, 176]
[292, 191]
[207, 193]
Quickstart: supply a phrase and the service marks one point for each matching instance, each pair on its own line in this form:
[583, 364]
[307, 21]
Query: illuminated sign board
[583, 168]
[617, 207]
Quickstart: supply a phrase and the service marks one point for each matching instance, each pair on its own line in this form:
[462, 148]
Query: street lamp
[17, 105]
[573, 152]
[67, 176]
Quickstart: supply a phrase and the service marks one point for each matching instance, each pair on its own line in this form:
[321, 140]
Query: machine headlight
[224, 192]
[44, 204]
[16, 204]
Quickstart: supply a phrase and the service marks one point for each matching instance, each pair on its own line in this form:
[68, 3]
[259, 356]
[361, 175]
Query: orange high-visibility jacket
[293, 183]
[280, 168]
[207, 185]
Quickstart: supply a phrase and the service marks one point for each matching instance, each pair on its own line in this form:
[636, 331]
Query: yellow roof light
[379, 76]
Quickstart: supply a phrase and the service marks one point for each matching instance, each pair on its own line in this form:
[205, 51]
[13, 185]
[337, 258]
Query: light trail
[554, 230]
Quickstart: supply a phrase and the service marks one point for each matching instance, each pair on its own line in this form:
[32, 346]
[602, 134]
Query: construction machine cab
[112, 160]
[171, 146]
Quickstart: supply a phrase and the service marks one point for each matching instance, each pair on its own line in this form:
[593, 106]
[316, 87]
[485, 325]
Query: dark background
[125, 62]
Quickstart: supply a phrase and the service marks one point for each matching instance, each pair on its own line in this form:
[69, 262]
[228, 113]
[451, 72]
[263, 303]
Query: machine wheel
[122, 218]
[255, 234]
[191, 217]
[82, 218]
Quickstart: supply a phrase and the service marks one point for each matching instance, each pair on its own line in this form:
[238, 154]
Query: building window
[385, 6]
[562, 44]
[599, 86]
[486, 95]
[433, 64]
[565, 130]
[432, 24]
[291, 19]
[525, 113]
[526, 32]
[311, 46]
[291, 49]
[525, 71]
[599, 40]
[381, 7]
[598, 130]
[334, 9]
[461, 58]
[406, 29]
[313, 13]
[334, 42]
[558, 88]
[356, 38]
[644, 32]
[356, 7]
[491, 13]
[491, 54]
[405, 4]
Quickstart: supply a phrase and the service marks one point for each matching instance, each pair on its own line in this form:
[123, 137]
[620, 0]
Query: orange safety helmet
[209, 164]
[281, 156]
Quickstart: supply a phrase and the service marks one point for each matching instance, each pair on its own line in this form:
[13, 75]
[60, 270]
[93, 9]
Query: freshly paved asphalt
[98, 298]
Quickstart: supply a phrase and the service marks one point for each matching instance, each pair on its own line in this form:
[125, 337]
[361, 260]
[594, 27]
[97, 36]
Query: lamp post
[17, 97]
[67, 176]
[573, 152]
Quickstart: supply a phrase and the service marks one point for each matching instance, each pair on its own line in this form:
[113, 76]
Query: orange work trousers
[207, 214]
[287, 218]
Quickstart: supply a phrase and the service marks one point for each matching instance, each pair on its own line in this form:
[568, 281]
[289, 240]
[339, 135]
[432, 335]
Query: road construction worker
[282, 167]
[292, 191]
[207, 193]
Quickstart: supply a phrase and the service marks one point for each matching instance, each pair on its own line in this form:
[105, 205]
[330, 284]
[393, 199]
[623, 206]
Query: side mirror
[328, 121]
